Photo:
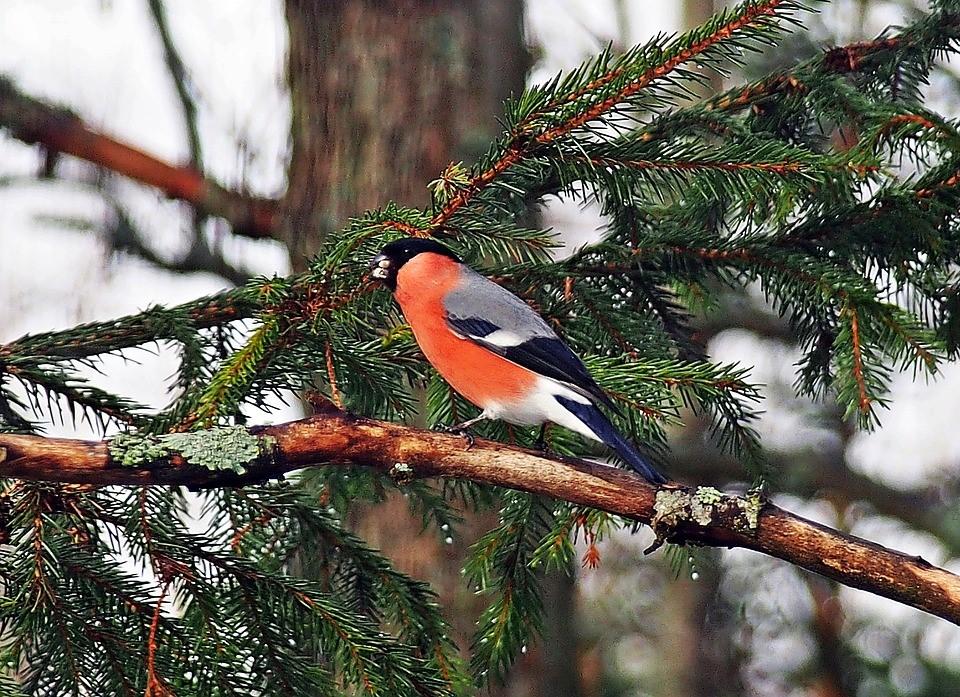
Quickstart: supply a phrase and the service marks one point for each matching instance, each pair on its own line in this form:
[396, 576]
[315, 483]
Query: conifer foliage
[856, 240]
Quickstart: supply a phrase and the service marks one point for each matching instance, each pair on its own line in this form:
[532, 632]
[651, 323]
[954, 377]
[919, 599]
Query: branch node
[321, 404]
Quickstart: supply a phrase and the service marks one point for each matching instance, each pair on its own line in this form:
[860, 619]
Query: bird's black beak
[380, 267]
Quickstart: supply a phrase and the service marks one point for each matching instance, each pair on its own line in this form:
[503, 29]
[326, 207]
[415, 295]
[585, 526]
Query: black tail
[600, 424]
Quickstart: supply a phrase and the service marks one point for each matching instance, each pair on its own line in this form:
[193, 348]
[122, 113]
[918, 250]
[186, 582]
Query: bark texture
[385, 94]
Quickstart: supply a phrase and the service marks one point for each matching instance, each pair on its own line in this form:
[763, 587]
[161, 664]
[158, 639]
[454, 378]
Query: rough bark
[676, 512]
[384, 95]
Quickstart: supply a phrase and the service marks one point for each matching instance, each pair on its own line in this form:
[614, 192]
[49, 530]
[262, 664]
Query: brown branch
[337, 439]
[59, 130]
[155, 685]
[332, 376]
[819, 472]
[849, 59]
[863, 399]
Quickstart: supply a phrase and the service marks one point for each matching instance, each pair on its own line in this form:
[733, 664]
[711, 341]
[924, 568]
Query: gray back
[478, 297]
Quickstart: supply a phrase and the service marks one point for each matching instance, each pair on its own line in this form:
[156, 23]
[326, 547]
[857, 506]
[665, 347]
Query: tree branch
[523, 142]
[151, 325]
[676, 513]
[33, 121]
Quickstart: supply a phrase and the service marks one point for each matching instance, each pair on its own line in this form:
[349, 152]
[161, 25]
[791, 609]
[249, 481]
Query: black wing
[545, 355]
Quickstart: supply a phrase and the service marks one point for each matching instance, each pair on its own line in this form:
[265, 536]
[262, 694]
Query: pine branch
[339, 439]
[528, 138]
[59, 130]
[59, 385]
[858, 57]
[154, 324]
[855, 243]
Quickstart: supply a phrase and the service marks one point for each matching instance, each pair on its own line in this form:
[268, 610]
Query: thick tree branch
[337, 438]
[57, 129]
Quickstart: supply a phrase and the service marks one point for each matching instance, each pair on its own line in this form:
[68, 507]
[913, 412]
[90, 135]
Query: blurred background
[330, 108]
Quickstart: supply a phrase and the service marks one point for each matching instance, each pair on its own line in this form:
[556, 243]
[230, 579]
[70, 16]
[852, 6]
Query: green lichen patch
[132, 449]
[751, 506]
[708, 496]
[669, 508]
[229, 448]
[705, 506]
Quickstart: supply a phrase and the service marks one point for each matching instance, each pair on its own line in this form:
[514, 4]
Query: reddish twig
[781, 168]
[33, 121]
[332, 376]
[948, 183]
[242, 532]
[863, 400]
[155, 686]
[849, 59]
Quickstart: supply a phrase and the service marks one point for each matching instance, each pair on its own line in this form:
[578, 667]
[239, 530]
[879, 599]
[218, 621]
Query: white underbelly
[541, 406]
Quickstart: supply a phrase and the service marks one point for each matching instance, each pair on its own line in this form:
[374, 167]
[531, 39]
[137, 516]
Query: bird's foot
[541, 442]
[457, 430]
[543, 448]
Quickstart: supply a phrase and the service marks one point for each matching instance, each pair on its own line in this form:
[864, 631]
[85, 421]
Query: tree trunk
[385, 93]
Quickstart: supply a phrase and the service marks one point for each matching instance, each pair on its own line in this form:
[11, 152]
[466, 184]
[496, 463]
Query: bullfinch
[493, 349]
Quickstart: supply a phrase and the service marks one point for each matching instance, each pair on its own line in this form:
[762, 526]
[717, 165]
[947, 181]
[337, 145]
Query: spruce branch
[337, 439]
[529, 137]
[856, 252]
[151, 325]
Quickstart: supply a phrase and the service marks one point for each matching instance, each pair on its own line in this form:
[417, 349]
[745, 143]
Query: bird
[495, 350]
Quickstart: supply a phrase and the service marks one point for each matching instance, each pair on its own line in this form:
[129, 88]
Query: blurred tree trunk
[385, 94]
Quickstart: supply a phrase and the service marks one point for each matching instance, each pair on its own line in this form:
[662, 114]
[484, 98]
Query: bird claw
[543, 448]
[456, 430]
[541, 442]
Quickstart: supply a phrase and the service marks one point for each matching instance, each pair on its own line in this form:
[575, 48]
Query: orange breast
[481, 376]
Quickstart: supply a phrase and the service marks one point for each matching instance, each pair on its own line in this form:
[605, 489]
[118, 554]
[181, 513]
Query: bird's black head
[392, 257]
